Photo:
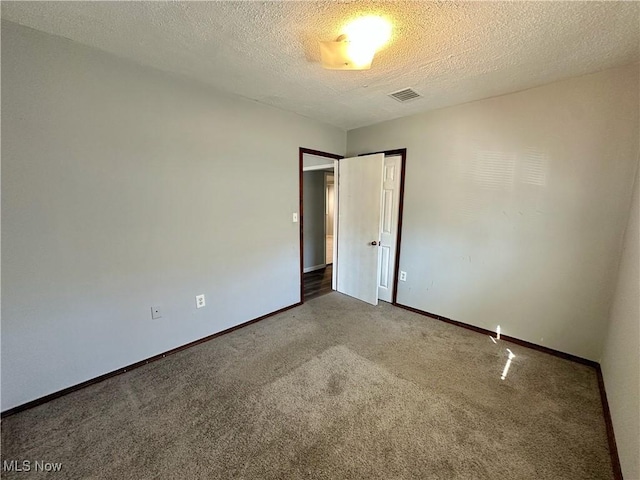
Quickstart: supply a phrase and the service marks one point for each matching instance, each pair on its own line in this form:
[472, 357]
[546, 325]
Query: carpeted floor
[334, 389]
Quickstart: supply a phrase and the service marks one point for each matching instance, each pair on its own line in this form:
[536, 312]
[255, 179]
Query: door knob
[374, 243]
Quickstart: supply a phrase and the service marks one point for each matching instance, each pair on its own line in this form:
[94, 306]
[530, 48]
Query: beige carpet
[335, 389]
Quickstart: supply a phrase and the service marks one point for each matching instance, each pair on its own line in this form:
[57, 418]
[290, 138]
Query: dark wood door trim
[396, 269]
[301, 154]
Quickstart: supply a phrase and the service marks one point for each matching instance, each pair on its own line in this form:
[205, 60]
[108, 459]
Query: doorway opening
[317, 222]
[368, 267]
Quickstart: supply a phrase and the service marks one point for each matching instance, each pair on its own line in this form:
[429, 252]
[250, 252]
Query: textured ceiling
[450, 52]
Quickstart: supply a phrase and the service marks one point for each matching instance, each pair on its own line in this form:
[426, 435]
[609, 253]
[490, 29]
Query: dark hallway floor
[317, 283]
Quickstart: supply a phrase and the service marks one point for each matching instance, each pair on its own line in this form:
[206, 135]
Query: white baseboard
[315, 267]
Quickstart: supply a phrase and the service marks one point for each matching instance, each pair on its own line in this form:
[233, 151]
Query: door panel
[359, 224]
[387, 208]
[388, 232]
[384, 266]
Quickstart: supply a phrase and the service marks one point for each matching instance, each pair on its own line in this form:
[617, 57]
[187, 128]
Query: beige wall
[124, 188]
[515, 207]
[621, 357]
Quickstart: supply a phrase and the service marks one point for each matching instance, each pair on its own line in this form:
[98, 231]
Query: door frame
[301, 152]
[326, 208]
[402, 152]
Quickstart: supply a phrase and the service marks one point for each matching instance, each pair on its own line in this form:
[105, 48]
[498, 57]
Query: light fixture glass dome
[356, 48]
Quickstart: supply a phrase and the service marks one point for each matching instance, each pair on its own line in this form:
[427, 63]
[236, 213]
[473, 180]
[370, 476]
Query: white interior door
[359, 212]
[389, 226]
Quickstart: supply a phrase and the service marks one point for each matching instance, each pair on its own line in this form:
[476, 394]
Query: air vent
[405, 95]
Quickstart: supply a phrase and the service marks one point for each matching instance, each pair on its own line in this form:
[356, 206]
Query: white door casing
[336, 211]
[359, 224]
[389, 226]
[329, 214]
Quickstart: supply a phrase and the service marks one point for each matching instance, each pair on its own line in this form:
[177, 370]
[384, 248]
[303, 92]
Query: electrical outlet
[200, 301]
[155, 312]
[403, 276]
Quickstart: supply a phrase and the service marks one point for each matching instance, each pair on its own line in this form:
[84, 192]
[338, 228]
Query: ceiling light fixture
[355, 49]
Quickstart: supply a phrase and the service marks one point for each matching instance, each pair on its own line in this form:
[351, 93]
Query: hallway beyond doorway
[317, 283]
